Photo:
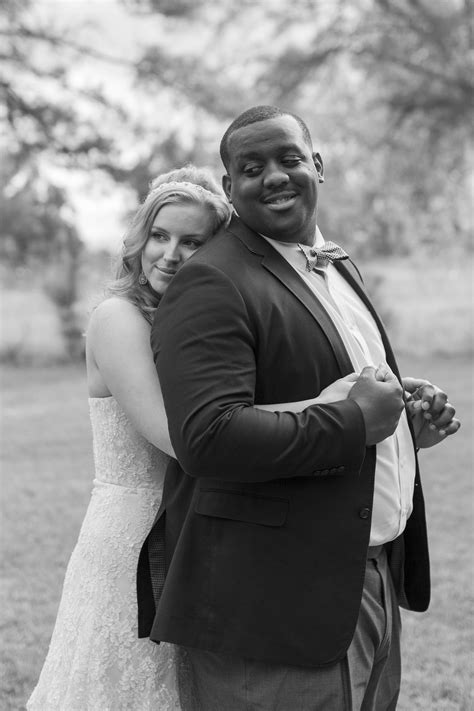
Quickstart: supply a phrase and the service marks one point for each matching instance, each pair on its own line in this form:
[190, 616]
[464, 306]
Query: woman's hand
[338, 390]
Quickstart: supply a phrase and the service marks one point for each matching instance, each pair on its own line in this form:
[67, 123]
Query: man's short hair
[254, 115]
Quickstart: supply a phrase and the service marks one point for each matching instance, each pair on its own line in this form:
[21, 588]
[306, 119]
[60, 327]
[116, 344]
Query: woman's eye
[158, 237]
[193, 244]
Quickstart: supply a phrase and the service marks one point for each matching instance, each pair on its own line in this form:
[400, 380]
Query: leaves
[385, 86]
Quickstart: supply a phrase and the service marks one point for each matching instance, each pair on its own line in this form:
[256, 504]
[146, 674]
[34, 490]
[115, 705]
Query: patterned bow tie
[322, 256]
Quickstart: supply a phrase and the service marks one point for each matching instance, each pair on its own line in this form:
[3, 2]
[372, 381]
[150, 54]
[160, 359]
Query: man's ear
[227, 185]
[318, 163]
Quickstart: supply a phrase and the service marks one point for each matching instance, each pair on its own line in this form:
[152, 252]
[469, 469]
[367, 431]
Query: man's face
[273, 179]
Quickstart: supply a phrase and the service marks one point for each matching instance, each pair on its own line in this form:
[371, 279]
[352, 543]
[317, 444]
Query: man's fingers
[444, 418]
[453, 427]
[368, 372]
[449, 429]
[426, 397]
[432, 401]
[384, 373]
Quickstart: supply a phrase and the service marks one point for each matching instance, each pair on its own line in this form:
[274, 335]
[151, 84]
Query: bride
[96, 661]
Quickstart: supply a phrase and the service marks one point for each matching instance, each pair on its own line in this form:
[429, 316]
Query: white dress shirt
[395, 463]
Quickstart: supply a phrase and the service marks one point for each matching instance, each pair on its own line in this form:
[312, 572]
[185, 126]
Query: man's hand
[431, 413]
[380, 397]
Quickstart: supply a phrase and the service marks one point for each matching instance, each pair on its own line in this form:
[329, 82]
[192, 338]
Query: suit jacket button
[364, 513]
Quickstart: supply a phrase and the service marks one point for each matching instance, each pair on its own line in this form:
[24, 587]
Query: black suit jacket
[265, 522]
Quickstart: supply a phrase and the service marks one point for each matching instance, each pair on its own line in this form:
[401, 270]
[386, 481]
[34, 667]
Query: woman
[95, 661]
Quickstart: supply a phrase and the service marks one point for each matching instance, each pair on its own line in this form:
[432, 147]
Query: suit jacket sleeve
[204, 342]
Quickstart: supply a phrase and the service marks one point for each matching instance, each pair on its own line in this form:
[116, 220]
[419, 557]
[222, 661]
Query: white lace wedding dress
[95, 660]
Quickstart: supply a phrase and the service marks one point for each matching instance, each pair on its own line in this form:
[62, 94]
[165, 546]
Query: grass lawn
[47, 472]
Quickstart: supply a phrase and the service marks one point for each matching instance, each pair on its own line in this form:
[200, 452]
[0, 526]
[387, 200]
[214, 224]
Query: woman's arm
[204, 341]
[118, 340]
[338, 390]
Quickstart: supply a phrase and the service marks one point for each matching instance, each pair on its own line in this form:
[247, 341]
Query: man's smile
[282, 200]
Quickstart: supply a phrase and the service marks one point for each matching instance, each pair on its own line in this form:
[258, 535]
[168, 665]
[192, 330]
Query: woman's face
[177, 232]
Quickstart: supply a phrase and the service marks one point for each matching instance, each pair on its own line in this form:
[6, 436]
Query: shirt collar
[295, 253]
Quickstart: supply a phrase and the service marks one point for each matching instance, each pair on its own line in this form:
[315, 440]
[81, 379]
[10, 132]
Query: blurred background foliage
[384, 85]
[96, 98]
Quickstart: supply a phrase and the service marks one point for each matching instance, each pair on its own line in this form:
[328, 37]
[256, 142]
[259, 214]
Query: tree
[420, 52]
[43, 111]
[41, 246]
[385, 84]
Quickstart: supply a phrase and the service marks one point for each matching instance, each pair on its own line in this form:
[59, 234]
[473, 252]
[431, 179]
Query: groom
[288, 540]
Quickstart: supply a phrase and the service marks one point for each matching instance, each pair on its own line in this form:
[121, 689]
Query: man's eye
[252, 169]
[291, 160]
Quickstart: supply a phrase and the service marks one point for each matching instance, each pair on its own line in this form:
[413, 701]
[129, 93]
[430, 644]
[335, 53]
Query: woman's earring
[142, 278]
[321, 179]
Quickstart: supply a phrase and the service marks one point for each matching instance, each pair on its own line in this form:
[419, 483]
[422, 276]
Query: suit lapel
[351, 274]
[273, 262]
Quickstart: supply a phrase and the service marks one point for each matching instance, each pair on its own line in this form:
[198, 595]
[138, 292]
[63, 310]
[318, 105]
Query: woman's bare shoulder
[115, 307]
[117, 314]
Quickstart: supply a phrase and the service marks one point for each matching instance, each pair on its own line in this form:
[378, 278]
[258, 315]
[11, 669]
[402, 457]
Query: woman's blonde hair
[186, 185]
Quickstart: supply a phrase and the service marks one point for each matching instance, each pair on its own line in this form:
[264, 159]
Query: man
[287, 538]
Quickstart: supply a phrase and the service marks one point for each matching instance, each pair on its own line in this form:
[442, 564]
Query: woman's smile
[165, 270]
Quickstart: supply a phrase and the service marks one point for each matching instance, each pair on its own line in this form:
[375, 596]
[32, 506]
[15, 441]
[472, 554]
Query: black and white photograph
[236, 355]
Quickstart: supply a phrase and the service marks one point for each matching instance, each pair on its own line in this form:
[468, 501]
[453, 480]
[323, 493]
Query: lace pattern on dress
[96, 661]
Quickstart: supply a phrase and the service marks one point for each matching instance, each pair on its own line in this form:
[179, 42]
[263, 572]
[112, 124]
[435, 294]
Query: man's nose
[275, 176]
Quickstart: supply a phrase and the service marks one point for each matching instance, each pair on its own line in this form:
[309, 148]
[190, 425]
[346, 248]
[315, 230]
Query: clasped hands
[381, 398]
[431, 413]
